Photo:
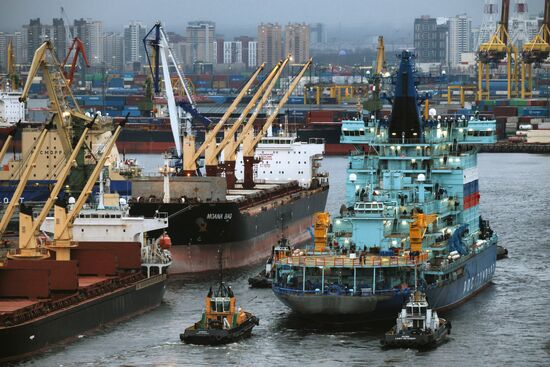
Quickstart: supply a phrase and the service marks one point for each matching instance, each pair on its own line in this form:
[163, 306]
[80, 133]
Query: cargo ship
[412, 210]
[205, 216]
[97, 269]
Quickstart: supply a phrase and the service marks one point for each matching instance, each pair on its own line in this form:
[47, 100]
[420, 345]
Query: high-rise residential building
[218, 50]
[425, 38]
[270, 44]
[318, 34]
[200, 35]
[430, 39]
[297, 42]
[5, 38]
[245, 41]
[134, 51]
[34, 37]
[113, 51]
[252, 61]
[460, 38]
[59, 38]
[232, 52]
[95, 39]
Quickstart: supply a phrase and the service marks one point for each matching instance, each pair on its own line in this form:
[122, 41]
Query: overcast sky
[244, 14]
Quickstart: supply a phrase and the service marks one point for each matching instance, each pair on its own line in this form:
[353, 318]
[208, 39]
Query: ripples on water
[506, 325]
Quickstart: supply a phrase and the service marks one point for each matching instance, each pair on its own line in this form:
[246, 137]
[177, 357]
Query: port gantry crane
[160, 49]
[29, 228]
[77, 45]
[66, 112]
[535, 52]
[190, 155]
[229, 145]
[79, 49]
[64, 221]
[250, 141]
[496, 49]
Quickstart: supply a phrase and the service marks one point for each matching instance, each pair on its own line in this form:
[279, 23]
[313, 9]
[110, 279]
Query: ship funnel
[405, 120]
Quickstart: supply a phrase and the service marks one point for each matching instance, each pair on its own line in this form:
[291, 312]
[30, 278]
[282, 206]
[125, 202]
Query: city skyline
[244, 15]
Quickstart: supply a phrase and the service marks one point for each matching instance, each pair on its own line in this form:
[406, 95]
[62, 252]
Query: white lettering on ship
[219, 216]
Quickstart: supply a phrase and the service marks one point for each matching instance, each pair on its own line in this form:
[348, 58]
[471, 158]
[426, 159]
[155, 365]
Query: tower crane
[190, 156]
[535, 52]
[160, 47]
[229, 145]
[250, 142]
[495, 50]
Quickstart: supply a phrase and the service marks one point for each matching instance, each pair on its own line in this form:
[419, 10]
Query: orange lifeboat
[165, 242]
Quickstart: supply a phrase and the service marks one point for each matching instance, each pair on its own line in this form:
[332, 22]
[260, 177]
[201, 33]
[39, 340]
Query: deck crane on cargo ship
[250, 141]
[229, 145]
[8, 140]
[64, 221]
[160, 47]
[535, 52]
[190, 155]
[496, 49]
[374, 104]
[28, 166]
[29, 228]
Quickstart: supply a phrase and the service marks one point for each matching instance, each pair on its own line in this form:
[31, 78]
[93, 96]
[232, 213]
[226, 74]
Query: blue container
[116, 82]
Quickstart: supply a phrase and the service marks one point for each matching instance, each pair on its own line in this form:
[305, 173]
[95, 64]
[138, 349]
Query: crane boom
[504, 15]
[546, 21]
[250, 123]
[231, 132]
[63, 220]
[55, 84]
[8, 141]
[228, 112]
[25, 239]
[281, 103]
[31, 160]
[380, 55]
[79, 49]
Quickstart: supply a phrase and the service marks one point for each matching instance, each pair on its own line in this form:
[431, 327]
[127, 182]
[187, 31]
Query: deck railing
[347, 262]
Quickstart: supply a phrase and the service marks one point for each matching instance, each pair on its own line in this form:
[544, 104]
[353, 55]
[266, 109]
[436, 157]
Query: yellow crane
[380, 56]
[250, 142]
[8, 141]
[63, 220]
[190, 156]
[535, 52]
[418, 228]
[12, 75]
[496, 49]
[29, 228]
[320, 231]
[211, 155]
[59, 93]
[29, 165]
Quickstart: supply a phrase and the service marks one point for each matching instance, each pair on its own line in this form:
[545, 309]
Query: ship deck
[10, 305]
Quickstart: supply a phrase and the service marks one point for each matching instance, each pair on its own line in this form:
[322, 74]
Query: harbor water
[505, 325]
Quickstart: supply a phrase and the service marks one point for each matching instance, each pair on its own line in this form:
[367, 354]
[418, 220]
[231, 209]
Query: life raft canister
[165, 241]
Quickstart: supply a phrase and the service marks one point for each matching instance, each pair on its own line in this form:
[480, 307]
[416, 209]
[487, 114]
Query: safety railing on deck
[347, 262]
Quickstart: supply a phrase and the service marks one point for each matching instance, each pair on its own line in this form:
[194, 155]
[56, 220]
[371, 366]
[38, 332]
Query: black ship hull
[219, 336]
[24, 340]
[245, 236]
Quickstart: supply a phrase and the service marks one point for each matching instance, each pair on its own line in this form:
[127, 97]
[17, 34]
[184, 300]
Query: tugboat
[220, 323]
[264, 279]
[417, 326]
